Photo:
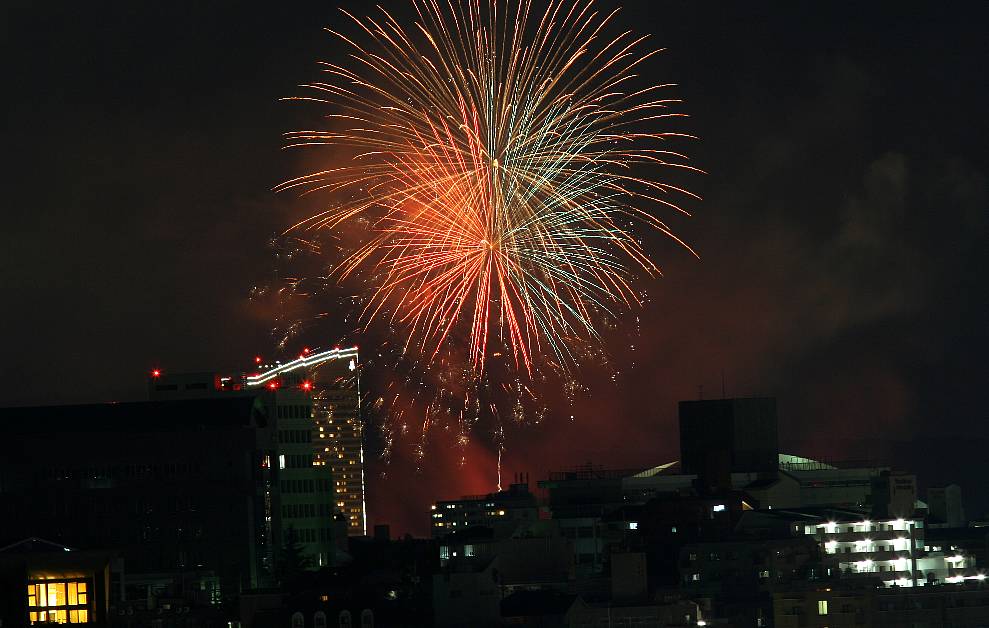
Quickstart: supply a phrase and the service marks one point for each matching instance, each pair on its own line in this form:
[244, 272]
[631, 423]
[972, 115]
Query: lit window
[822, 607]
[719, 508]
[65, 602]
[633, 525]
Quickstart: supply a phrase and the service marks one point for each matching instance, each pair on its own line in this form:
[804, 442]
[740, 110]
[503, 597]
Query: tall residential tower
[333, 379]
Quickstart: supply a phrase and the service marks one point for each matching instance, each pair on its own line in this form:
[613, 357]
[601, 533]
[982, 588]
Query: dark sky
[842, 233]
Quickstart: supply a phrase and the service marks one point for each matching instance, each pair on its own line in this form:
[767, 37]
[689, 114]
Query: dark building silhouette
[319, 392]
[502, 512]
[180, 487]
[723, 436]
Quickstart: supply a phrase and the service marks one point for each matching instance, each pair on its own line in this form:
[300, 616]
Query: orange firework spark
[500, 151]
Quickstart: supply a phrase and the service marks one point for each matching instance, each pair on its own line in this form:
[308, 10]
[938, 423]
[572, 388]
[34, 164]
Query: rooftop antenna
[724, 394]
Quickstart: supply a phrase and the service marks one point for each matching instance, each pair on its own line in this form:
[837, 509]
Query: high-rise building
[315, 400]
[332, 380]
[298, 494]
[723, 436]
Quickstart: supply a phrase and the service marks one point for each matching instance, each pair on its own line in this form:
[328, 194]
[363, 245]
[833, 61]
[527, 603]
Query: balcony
[850, 537]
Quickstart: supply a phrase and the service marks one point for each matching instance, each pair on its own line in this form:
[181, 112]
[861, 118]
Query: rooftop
[139, 416]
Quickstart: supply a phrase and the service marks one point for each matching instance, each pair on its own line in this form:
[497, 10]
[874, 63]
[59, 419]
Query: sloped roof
[32, 545]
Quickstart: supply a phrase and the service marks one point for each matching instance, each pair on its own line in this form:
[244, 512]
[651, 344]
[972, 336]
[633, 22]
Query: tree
[292, 559]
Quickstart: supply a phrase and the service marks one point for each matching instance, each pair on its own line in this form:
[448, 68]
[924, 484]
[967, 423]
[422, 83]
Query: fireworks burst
[505, 160]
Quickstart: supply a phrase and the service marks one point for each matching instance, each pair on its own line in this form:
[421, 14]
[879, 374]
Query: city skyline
[841, 236]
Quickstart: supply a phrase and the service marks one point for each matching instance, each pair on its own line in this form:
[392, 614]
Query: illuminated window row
[63, 602]
[60, 616]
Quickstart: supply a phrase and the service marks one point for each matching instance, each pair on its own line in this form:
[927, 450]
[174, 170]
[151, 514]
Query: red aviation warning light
[257, 359]
[273, 385]
[306, 385]
[156, 373]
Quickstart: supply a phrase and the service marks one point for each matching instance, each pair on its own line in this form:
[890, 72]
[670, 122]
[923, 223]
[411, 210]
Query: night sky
[842, 233]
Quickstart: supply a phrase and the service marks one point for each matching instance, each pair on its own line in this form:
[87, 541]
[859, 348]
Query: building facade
[320, 393]
[502, 512]
[173, 487]
[332, 380]
[890, 550]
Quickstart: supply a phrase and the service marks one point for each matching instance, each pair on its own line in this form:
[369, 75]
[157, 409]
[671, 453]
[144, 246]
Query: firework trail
[499, 152]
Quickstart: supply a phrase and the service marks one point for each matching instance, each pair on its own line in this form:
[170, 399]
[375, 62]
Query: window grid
[58, 601]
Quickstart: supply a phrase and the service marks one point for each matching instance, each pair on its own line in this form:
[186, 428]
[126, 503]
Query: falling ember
[503, 155]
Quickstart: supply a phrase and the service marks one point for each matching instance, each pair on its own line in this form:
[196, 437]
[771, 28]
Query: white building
[893, 549]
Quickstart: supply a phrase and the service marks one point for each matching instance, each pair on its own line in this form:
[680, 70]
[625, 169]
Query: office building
[330, 382]
[724, 436]
[300, 492]
[174, 487]
[42, 582]
[502, 512]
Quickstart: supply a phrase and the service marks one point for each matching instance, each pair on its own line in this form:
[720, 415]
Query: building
[973, 541]
[300, 493]
[824, 606]
[945, 508]
[724, 436]
[957, 605]
[674, 613]
[845, 484]
[477, 574]
[329, 381]
[332, 377]
[46, 582]
[173, 487]
[890, 551]
[837, 605]
[337, 411]
[738, 574]
[502, 512]
[387, 584]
